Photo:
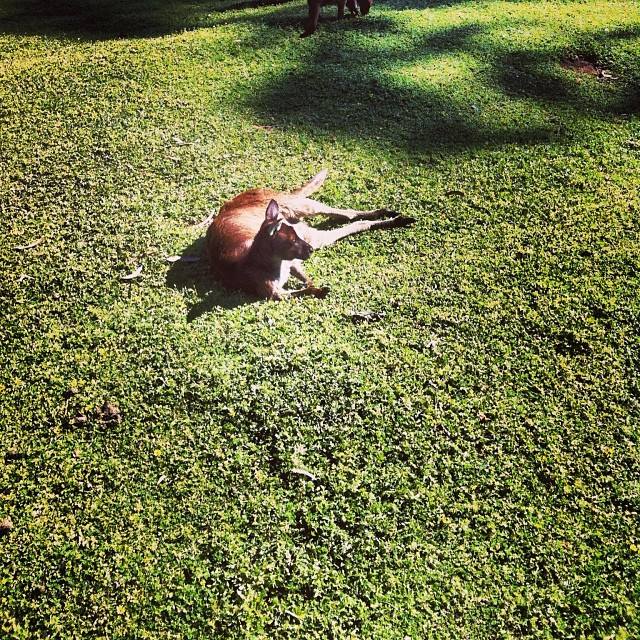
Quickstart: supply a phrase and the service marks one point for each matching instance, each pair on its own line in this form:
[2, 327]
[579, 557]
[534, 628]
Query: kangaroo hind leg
[318, 238]
[306, 207]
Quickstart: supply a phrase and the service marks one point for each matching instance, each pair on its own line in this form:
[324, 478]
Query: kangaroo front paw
[321, 292]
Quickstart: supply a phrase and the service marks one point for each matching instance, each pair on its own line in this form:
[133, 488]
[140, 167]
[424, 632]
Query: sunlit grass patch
[442, 71]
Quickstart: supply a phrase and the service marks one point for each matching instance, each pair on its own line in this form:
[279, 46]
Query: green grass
[475, 448]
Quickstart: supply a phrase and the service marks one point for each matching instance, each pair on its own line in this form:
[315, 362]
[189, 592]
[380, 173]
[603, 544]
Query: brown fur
[258, 238]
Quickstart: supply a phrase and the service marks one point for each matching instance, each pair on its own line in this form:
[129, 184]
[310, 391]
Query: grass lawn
[177, 461]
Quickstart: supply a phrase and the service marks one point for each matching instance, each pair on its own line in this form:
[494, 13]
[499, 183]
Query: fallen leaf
[305, 473]
[110, 412]
[5, 526]
[433, 343]
[22, 247]
[293, 615]
[172, 259]
[606, 75]
[177, 140]
[133, 274]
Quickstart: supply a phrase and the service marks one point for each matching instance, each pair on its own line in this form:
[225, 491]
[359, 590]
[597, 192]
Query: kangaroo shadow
[192, 273]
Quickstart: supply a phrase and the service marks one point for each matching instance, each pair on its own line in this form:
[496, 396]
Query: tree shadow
[424, 4]
[364, 87]
[112, 19]
[396, 4]
[103, 19]
[249, 4]
[534, 73]
[341, 87]
[187, 275]
[96, 20]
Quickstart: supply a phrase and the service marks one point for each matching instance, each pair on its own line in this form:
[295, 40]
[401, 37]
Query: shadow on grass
[350, 83]
[366, 87]
[112, 19]
[350, 86]
[534, 73]
[103, 19]
[196, 276]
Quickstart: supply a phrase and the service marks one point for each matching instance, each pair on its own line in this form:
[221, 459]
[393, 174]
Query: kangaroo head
[280, 237]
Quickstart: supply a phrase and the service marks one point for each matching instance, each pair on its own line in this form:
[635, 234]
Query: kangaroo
[355, 7]
[258, 240]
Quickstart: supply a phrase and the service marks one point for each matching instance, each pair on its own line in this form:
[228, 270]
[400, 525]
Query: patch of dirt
[109, 412]
[581, 65]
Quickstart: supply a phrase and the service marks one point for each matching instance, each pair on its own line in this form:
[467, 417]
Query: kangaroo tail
[313, 185]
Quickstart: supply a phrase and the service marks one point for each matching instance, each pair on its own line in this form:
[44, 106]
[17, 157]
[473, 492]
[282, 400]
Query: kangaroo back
[231, 234]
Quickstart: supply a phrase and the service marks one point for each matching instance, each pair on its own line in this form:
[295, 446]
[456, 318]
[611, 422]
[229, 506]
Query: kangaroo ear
[275, 228]
[273, 211]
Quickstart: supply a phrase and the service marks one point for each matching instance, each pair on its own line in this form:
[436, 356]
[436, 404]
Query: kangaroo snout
[305, 251]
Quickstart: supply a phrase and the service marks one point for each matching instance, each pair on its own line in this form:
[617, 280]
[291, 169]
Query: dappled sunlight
[442, 79]
[439, 71]
[458, 84]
